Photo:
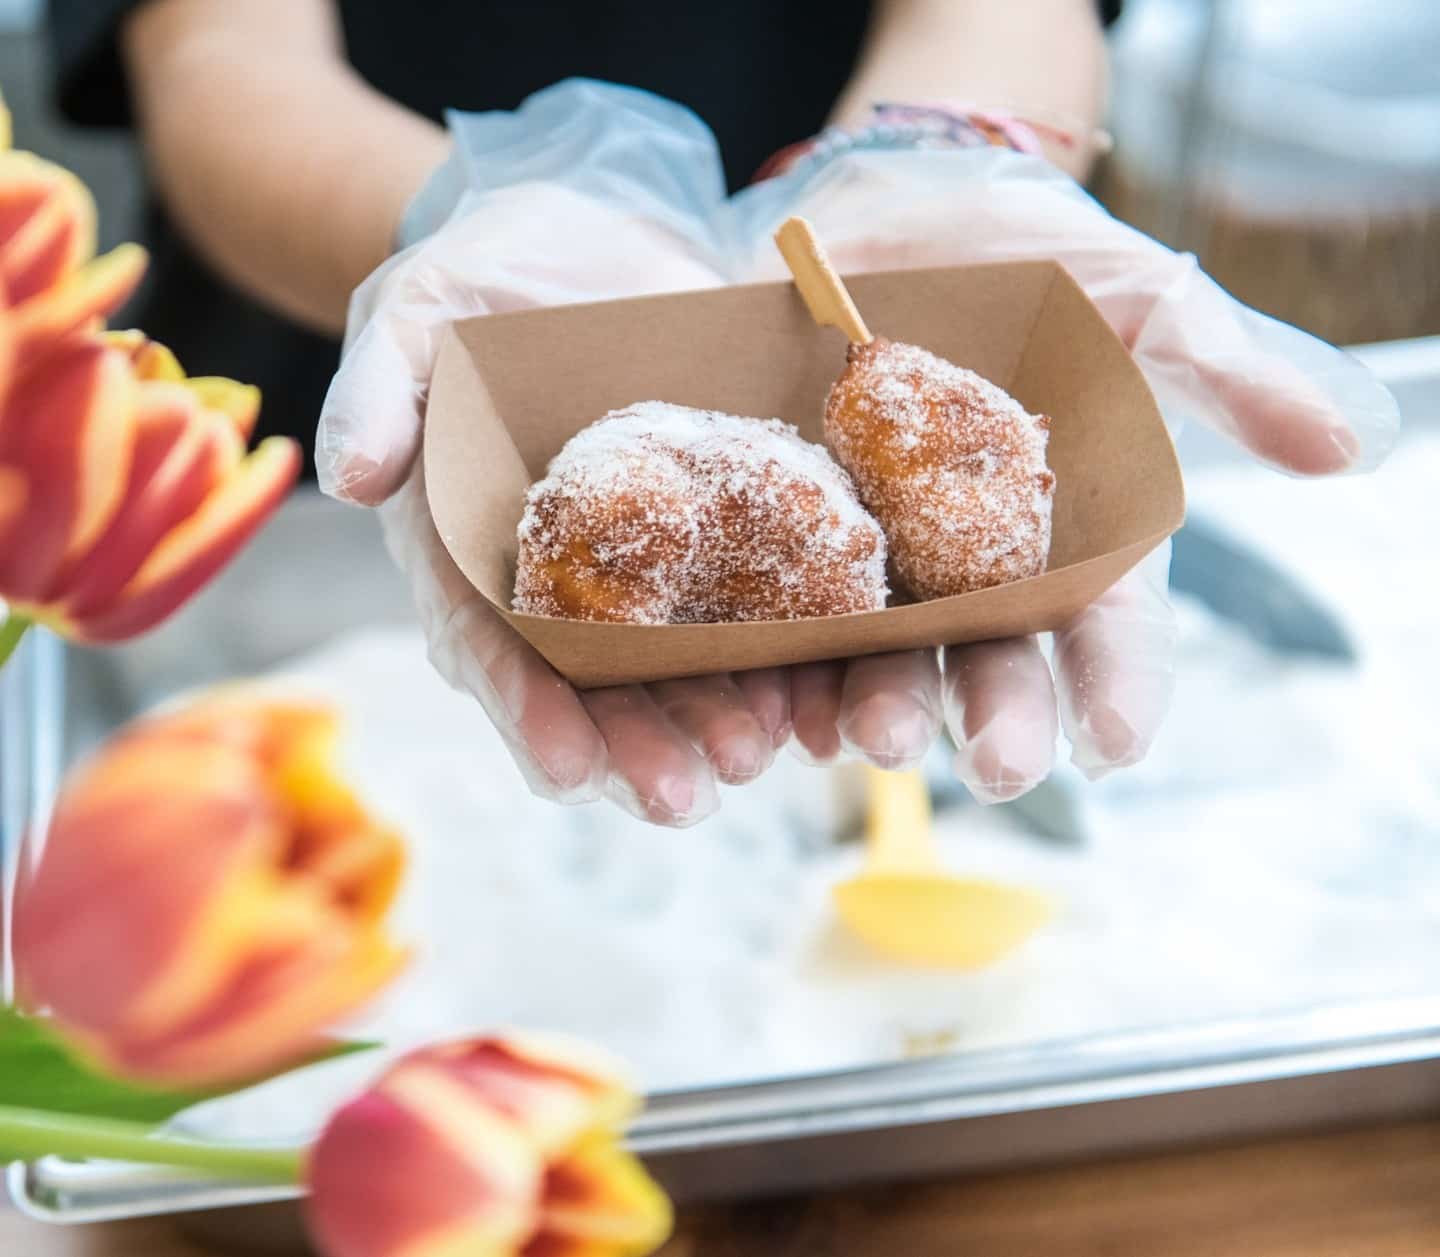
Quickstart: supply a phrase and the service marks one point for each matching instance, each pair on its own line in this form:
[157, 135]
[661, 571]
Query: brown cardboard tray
[510, 389]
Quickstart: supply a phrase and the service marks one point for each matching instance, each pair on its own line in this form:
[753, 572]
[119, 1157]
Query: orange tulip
[53, 284]
[130, 485]
[124, 486]
[209, 898]
[485, 1147]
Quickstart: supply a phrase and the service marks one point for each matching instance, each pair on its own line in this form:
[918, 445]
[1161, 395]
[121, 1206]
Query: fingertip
[569, 768]
[675, 801]
[1000, 710]
[740, 759]
[815, 690]
[815, 758]
[890, 731]
[995, 772]
[712, 712]
[1115, 673]
[654, 771]
[996, 791]
[1107, 741]
[570, 779]
[1311, 446]
[767, 692]
[1346, 443]
[358, 479]
[1284, 419]
[891, 707]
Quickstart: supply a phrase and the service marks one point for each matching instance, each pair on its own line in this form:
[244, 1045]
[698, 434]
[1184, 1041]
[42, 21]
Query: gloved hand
[1289, 399]
[590, 192]
[656, 750]
[587, 193]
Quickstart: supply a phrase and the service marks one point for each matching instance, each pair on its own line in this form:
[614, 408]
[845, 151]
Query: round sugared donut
[660, 514]
[952, 467]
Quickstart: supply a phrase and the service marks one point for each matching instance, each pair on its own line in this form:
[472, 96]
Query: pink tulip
[210, 897]
[490, 1146]
[129, 485]
[124, 487]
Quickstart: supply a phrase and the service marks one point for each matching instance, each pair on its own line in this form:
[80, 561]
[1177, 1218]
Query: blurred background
[1293, 145]
[107, 161]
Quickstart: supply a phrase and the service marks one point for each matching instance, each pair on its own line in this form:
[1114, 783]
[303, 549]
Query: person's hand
[1290, 400]
[657, 750]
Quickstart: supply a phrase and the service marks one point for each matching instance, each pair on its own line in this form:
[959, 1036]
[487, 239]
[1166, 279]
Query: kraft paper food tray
[510, 389]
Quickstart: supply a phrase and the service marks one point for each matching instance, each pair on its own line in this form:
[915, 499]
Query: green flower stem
[26, 1134]
[12, 629]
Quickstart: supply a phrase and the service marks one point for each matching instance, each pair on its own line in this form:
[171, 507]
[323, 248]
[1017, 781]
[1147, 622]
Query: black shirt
[761, 73]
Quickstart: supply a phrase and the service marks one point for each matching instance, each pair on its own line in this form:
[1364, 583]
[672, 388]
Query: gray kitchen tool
[1250, 592]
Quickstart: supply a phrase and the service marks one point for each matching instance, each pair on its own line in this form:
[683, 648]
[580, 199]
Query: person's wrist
[432, 204]
[1069, 144]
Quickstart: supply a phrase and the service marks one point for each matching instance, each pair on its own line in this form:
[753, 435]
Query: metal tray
[961, 1112]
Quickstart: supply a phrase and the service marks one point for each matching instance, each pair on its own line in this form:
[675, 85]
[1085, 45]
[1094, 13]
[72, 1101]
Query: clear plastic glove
[590, 192]
[1289, 399]
[586, 194]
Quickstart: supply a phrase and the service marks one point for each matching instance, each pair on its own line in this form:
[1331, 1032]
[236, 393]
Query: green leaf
[38, 1071]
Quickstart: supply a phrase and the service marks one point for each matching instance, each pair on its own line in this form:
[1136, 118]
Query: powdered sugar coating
[663, 514]
[952, 466]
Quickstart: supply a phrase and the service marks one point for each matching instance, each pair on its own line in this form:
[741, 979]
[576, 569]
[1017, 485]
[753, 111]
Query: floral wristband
[937, 126]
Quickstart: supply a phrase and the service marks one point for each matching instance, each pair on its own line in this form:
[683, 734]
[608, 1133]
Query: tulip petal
[249, 718]
[556, 1088]
[600, 1199]
[47, 243]
[179, 456]
[411, 1168]
[416, 1168]
[151, 359]
[332, 849]
[7, 351]
[212, 956]
[272, 1012]
[80, 300]
[332, 842]
[358, 868]
[89, 952]
[201, 545]
[278, 951]
[219, 958]
[240, 403]
[68, 429]
[47, 225]
[12, 499]
[465, 1240]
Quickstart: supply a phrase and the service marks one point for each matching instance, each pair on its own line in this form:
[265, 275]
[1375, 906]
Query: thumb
[370, 422]
[1293, 401]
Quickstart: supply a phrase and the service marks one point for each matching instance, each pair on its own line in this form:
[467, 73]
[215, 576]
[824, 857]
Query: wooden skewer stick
[825, 294]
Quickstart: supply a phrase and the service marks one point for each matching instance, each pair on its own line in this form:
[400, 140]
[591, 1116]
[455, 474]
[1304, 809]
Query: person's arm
[282, 166]
[1043, 60]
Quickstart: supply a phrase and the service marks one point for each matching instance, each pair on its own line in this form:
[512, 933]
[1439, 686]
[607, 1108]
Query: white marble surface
[1280, 849]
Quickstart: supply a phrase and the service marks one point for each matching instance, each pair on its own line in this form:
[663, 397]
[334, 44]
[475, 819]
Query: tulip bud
[486, 1146]
[209, 898]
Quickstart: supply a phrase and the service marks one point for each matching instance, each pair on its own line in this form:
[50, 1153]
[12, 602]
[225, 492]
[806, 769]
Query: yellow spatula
[904, 904]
